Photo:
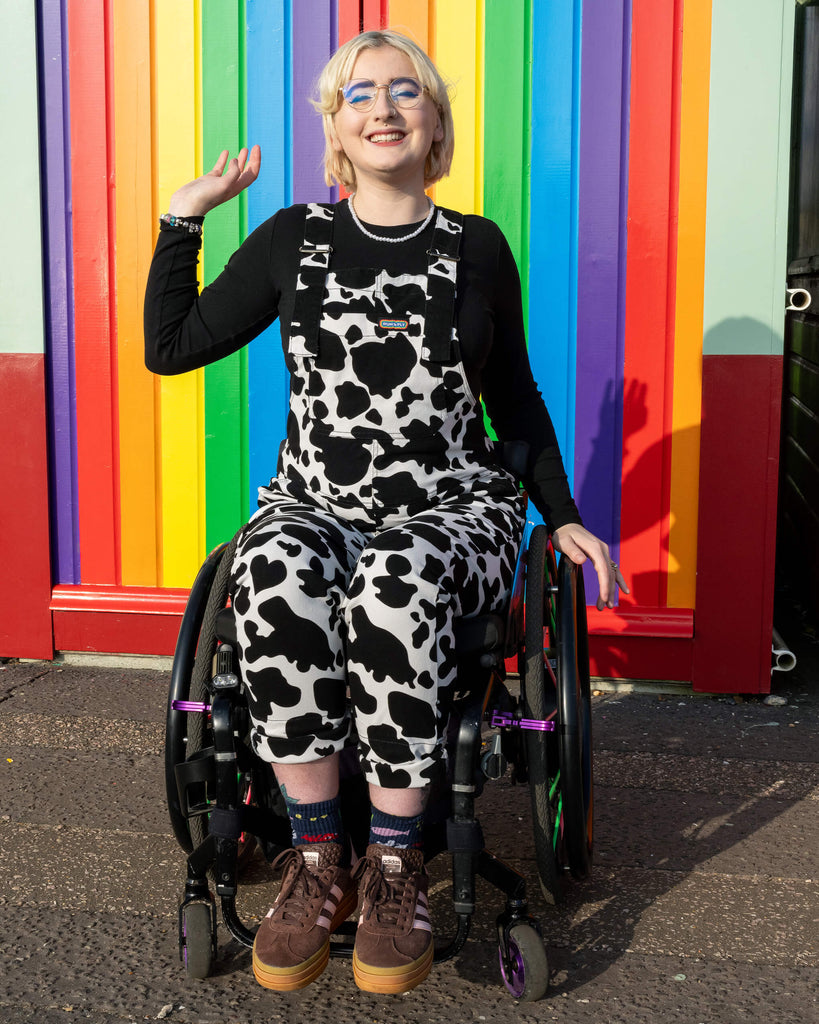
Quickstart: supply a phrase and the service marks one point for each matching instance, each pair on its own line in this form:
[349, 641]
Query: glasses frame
[388, 86]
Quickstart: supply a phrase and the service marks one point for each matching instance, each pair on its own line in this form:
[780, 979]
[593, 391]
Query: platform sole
[290, 979]
[392, 980]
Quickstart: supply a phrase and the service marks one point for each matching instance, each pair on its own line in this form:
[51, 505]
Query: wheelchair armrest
[479, 634]
[226, 627]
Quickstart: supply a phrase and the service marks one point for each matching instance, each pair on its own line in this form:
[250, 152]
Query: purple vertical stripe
[312, 45]
[601, 267]
[55, 170]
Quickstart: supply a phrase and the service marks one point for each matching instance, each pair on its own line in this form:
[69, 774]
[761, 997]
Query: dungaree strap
[442, 273]
[315, 262]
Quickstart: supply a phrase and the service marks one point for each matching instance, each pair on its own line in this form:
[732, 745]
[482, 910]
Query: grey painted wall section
[748, 169]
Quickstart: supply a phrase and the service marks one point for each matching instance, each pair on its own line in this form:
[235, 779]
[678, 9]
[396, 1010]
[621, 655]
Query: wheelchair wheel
[556, 685]
[527, 976]
[197, 934]
[185, 731]
[540, 703]
[574, 715]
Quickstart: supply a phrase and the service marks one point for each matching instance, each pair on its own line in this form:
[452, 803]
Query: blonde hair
[337, 72]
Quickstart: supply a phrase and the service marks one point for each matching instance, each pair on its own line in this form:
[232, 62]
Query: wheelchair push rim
[574, 715]
[556, 685]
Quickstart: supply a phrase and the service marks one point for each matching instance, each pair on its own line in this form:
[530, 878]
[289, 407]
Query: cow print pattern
[388, 519]
[323, 604]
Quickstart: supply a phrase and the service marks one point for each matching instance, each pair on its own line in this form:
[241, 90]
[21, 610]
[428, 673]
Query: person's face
[387, 143]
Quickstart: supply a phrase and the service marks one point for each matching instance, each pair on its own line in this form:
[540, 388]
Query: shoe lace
[299, 885]
[381, 894]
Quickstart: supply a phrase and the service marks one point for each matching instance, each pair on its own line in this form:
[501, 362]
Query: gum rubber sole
[289, 979]
[392, 980]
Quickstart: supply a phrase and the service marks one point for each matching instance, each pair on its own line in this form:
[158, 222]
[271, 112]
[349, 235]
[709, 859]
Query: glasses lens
[361, 93]
[405, 92]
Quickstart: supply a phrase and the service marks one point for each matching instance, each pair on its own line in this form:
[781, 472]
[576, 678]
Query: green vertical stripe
[225, 381]
[507, 107]
[505, 116]
[244, 403]
[527, 59]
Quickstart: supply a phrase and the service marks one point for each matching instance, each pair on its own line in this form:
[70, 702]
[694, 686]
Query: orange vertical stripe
[685, 455]
[96, 476]
[134, 236]
[412, 18]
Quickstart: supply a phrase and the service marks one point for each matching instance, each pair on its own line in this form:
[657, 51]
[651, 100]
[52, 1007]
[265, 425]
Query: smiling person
[389, 514]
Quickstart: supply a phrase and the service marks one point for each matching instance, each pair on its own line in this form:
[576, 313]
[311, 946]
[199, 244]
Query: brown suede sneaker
[292, 944]
[393, 944]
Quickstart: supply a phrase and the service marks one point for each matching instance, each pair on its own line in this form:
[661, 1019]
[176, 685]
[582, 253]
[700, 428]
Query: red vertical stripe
[96, 470]
[738, 484]
[25, 575]
[349, 19]
[671, 292]
[373, 14]
[650, 273]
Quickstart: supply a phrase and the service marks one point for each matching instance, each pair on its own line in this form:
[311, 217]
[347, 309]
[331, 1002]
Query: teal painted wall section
[748, 153]
[21, 282]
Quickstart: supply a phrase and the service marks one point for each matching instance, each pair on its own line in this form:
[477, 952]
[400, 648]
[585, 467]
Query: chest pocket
[370, 377]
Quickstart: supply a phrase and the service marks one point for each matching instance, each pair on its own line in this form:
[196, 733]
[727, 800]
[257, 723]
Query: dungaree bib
[382, 420]
[387, 520]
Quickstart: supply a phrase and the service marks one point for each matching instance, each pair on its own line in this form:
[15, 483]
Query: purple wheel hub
[515, 980]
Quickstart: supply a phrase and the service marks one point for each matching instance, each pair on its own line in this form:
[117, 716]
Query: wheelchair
[224, 802]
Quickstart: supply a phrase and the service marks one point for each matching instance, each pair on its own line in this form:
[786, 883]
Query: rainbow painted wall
[635, 152]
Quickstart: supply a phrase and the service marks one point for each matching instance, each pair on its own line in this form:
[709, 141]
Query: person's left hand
[575, 541]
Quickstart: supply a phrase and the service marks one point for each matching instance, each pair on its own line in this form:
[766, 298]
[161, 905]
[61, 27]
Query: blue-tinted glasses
[361, 93]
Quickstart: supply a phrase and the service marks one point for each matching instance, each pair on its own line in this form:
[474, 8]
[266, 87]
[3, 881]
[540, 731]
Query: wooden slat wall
[582, 127]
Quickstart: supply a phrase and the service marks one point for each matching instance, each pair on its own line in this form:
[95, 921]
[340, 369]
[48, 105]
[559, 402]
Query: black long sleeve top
[185, 329]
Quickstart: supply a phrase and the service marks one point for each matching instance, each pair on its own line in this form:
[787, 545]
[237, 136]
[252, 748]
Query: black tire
[540, 702]
[528, 975]
[197, 929]
[179, 723]
[574, 715]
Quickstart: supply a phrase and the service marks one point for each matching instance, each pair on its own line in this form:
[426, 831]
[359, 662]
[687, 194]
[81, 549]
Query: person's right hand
[200, 196]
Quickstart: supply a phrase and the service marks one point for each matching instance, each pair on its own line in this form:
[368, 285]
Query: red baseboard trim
[671, 623]
[638, 643]
[641, 657]
[116, 620]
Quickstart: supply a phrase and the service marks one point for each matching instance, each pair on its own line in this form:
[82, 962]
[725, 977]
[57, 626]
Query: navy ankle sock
[390, 830]
[316, 823]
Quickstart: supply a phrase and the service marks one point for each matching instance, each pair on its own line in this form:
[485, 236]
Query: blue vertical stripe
[267, 47]
[553, 211]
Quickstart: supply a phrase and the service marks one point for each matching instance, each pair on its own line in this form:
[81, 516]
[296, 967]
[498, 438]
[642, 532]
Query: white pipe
[783, 657]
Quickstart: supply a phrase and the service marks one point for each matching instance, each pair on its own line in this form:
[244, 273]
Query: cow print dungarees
[388, 519]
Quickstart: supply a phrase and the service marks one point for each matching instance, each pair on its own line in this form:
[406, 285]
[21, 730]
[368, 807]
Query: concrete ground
[702, 907]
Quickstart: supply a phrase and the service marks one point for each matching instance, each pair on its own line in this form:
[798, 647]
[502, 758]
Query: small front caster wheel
[527, 973]
[197, 935]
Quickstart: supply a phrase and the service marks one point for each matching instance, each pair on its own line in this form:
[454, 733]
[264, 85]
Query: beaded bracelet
[179, 222]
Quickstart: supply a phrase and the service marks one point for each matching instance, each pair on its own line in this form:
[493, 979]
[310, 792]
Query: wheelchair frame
[219, 793]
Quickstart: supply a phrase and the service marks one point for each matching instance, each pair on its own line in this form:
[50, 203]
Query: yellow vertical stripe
[688, 328]
[458, 34]
[180, 398]
[134, 234]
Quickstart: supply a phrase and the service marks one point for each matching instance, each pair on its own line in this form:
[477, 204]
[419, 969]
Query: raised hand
[226, 180]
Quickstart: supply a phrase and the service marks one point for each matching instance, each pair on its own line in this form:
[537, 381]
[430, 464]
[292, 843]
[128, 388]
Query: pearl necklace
[384, 238]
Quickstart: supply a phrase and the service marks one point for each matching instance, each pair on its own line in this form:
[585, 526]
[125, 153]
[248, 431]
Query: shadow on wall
[647, 479]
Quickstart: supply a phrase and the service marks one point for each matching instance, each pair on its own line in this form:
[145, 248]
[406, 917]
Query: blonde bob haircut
[338, 71]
